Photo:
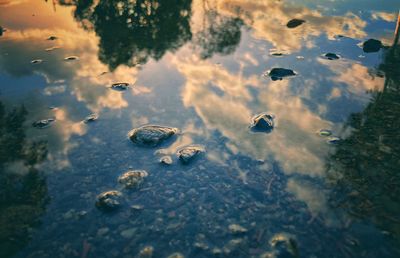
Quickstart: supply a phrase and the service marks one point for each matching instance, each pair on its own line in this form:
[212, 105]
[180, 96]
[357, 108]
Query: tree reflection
[131, 32]
[368, 160]
[23, 190]
[220, 34]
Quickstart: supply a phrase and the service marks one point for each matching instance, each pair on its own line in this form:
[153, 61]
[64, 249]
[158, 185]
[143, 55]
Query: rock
[372, 45]
[137, 207]
[43, 123]
[331, 56]
[151, 135]
[325, 132]
[91, 118]
[216, 251]
[237, 229]
[36, 61]
[295, 23]
[132, 178]
[109, 201]
[128, 233]
[333, 140]
[262, 123]
[284, 245]
[166, 160]
[120, 86]
[280, 73]
[102, 231]
[188, 153]
[52, 38]
[176, 255]
[146, 252]
[1, 31]
[232, 245]
[71, 58]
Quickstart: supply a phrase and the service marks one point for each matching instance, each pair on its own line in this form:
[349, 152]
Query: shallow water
[326, 174]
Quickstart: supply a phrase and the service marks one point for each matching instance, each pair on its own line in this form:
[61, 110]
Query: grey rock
[132, 178]
[151, 135]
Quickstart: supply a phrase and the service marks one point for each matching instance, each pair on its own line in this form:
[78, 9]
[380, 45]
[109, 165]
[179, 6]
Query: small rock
[188, 153]
[333, 140]
[280, 73]
[52, 38]
[237, 229]
[232, 245]
[128, 233]
[120, 86]
[372, 45]
[102, 231]
[262, 123]
[167, 160]
[109, 201]
[1, 31]
[295, 23]
[284, 245]
[43, 123]
[146, 252]
[71, 58]
[36, 61]
[91, 118]
[151, 135]
[325, 132]
[176, 255]
[331, 56]
[132, 178]
[137, 207]
[216, 251]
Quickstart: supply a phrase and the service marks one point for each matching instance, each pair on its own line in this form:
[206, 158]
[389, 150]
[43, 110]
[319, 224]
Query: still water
[319, 177]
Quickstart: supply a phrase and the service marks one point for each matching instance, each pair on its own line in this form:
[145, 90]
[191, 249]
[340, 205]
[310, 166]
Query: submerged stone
[151, 135]
[372, 45]
[331, 56]
[109, 201]
[91, 118]
[325, 132]
[43, 123]
[295, 23]
[37, 61]
[167, 160]
[280, 73]
[71, 58]
[262, 123]
[333, 140]
[284, 245]
[176, 255]
[188, 153]
[132, 178]
[146, 252]
[237, 229]
[120, 86]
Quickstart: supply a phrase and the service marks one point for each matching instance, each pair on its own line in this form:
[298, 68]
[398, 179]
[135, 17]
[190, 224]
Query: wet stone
[37, 61]
[176, 255]
[133, 178]
[146, 252]
[109, 201]
[71, 58]
[331, 56]
[295, 23]
[237, 229]
[262, 123]
[166, 160]
[372, 46]
[333, 140]
[44, 123]
[280, 73]
[188, 153]
[120, 86]
[284, 245]
[151, 135]
[325, 132]
[91, 118]
[52, 38]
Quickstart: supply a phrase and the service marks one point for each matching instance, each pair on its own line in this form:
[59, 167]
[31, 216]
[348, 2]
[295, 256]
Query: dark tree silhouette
[23, 194]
